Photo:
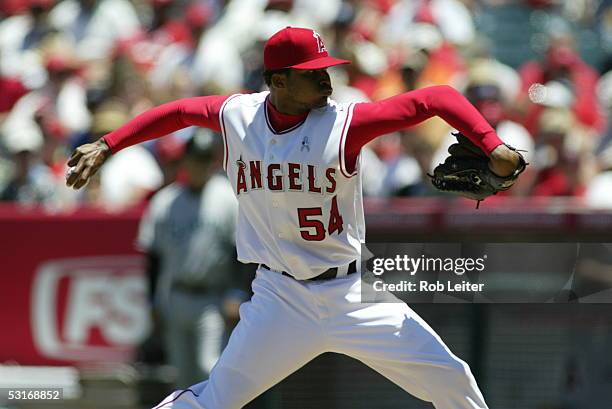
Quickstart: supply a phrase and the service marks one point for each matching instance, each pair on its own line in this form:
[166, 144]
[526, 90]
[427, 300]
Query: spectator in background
[217, 66]
[21, 36]
[26, 31]
[370, 64]
[389, 171]
[412, 67]
[452, 17]
[188, 235]
[126, 81]
[172, 43]
[64, 96]
[61, 102]
[421, 149]
[563, 156]
[26, 180]
[562, 65]
[93, 26]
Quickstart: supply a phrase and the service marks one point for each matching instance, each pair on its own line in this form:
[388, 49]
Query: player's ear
[279, 80]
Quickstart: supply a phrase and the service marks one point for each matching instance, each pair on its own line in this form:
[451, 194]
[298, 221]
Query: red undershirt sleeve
[167, 118]
[374, 119]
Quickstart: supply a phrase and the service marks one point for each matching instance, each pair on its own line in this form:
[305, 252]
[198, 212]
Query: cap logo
[320, 45]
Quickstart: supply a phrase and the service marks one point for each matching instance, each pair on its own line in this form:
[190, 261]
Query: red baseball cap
[299, 48]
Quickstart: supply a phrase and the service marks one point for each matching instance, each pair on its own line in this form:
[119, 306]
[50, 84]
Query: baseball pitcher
[293, 158]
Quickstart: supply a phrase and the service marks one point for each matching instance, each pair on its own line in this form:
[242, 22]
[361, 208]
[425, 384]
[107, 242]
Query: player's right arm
[154, 123]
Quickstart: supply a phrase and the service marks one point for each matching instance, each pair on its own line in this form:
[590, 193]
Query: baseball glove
[466, 172]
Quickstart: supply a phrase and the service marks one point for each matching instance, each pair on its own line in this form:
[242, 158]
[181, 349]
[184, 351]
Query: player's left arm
[374, 119]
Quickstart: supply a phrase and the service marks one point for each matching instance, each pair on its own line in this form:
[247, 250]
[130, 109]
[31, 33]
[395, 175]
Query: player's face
[309, 87]
[198, 171]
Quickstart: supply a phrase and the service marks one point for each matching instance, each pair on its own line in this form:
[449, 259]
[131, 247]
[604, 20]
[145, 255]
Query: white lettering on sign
[104, 294]
[105, 303]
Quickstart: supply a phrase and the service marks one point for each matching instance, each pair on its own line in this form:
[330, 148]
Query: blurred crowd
[74, 70]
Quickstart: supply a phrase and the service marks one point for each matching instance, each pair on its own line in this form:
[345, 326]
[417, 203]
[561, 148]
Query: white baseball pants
[288, 323]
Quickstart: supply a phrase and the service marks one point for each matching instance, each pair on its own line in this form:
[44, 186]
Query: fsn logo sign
[89, 309]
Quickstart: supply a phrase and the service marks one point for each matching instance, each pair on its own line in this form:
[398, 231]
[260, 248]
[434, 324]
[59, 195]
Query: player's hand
[85, 162]
[231, 308]
[504, 161]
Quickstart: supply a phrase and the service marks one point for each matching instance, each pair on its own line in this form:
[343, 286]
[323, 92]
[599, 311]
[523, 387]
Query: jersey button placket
[272, 143]
[274, 198]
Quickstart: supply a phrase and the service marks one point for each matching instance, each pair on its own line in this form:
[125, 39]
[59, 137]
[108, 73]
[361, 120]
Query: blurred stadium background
[72, 288]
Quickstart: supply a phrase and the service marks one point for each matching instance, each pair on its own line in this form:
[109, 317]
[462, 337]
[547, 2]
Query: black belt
[326, 275]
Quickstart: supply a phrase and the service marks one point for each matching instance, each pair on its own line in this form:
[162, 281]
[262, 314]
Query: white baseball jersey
[300, 210]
